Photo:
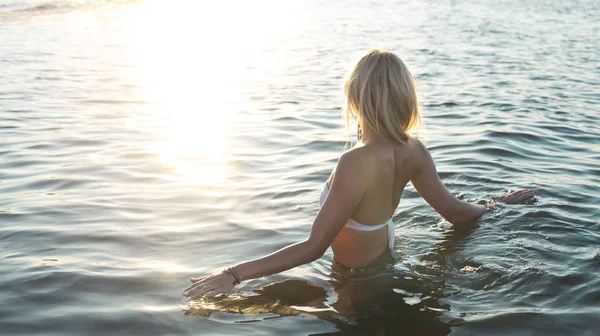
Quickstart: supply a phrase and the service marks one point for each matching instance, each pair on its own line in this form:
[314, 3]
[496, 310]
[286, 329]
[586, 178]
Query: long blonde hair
[381, 93]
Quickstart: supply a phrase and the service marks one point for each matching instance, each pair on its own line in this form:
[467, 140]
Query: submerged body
[365, 187]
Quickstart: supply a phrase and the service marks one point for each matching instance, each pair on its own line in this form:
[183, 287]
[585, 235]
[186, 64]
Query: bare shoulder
[356, 162]
[417, 148]
[351, 170]
[356, 158]
[418, 156]
[349, 163]
[417, 145]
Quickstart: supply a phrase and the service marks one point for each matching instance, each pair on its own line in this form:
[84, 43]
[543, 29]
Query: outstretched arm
[428, 184]
[345, 193]
[425, 179]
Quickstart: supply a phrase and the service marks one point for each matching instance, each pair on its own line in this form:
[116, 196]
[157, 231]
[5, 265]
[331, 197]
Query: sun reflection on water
[166, 267]
[194, 62]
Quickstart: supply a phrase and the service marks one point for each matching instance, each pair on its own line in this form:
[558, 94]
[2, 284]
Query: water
[146, 142]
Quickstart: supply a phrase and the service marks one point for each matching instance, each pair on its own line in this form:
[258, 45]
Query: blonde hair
[381, 93]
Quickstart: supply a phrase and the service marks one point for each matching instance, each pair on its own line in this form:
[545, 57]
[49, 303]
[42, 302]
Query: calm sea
[147, 142]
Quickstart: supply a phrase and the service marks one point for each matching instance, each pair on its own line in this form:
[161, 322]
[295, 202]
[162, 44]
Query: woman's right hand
[211, 285]
[515, 197]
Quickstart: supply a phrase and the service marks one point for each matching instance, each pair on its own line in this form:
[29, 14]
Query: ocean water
[147, 142]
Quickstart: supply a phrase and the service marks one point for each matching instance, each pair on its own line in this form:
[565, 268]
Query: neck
[369, 136]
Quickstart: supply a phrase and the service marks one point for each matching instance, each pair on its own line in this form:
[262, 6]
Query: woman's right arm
[426, 180]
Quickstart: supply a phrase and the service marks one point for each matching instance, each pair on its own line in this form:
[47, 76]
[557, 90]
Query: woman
[366, 185]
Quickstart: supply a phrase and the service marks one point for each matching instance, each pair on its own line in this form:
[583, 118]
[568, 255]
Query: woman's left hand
[210, 285]
[515, 197]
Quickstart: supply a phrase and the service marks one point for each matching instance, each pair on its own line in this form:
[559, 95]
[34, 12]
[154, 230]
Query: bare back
[389, 168]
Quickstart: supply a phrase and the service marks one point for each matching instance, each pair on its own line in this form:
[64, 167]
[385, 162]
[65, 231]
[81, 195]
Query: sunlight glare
[166, 267]
[193, 61]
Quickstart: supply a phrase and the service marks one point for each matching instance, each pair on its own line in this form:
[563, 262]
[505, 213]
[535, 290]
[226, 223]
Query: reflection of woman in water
[366, 185]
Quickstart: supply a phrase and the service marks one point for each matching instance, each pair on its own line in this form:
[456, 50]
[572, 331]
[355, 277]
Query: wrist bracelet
[235, 275]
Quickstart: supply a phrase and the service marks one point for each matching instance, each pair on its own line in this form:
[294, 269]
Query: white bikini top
[351, 223]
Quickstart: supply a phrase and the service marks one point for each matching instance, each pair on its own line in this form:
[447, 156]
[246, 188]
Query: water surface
[146, 142]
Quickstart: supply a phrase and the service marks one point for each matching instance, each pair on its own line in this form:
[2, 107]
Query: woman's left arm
[346, 190]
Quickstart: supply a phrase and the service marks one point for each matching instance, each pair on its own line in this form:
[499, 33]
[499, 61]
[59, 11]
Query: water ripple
[132, 159]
